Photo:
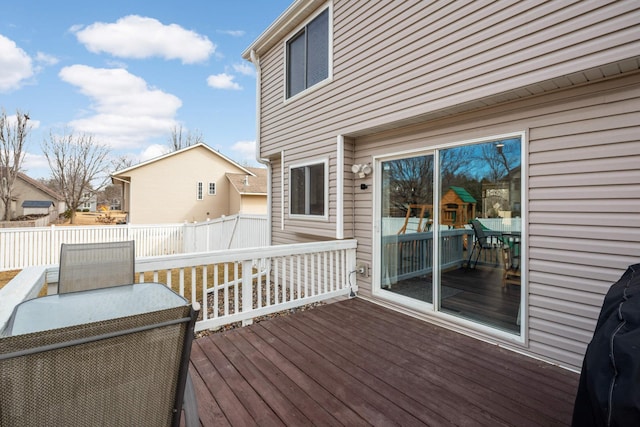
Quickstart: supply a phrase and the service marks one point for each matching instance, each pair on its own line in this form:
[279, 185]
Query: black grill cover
[609, 388]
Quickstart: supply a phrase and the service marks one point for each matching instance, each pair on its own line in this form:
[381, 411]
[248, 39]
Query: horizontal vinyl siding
[399, 59]
[584, 224]
[583, 193]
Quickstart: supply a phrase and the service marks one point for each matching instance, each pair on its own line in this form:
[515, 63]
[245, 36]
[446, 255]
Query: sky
[128, 72]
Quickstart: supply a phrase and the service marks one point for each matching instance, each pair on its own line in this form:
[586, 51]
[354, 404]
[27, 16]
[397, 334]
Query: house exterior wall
[395, 60]
[253, 204]
[165, 190]
[583, 229]
[235, 201]
[415, 74]
[24, 191]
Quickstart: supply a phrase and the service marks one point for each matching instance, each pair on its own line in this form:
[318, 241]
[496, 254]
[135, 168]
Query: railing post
[247, 290]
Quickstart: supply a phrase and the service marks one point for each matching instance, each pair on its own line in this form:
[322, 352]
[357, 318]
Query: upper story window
[308, 55]
[199, 189]
[308, 189]
[212, 188]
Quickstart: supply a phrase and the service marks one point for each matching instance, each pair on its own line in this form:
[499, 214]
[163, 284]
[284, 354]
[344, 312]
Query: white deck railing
[26, 247]
[232, 285]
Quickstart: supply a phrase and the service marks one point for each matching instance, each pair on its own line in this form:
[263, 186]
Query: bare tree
[13, 138]
[178, 140]
[121, 162]
[78, 165]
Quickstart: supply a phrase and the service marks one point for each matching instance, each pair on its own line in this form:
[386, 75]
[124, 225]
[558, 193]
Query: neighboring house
[29, 193]
[248, 193]
[190, 184]
[360, 100]
[88, 202]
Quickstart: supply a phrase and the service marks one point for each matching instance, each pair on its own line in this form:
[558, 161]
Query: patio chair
[511, 273]
[86, 266]
[483, 240]
[128, 371]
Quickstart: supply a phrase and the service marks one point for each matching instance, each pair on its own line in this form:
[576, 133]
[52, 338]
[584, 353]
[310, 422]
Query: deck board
[356, 363]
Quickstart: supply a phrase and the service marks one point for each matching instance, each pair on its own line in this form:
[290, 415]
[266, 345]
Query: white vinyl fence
[25, 247]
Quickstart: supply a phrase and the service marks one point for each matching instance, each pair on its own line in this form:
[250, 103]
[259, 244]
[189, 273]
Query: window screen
[308, 55]
[307, 190]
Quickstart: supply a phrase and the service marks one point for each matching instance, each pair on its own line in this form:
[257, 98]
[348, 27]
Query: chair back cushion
[86, 266]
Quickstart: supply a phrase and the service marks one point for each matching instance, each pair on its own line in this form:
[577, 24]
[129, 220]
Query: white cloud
[246, 150]
[13, 119]
[46, 59]
[222, 81]
[153, 151]
[15, 65]
[126, 112]
[36, 165]
[232, 33]
[140, 37]
[244, 68]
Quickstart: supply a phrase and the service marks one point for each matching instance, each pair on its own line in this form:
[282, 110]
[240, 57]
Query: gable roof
[40, 186]
[178, 152]
[247, 184]
[463, 194]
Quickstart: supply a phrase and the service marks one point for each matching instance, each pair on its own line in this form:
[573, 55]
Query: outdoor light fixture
[362, 170]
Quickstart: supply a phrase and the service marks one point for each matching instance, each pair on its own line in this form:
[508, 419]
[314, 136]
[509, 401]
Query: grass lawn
[6, 276]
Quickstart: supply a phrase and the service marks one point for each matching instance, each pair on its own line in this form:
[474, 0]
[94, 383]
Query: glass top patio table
[75, 308]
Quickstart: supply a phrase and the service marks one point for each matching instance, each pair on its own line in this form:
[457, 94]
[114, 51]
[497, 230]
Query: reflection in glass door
[476, 225]
[480, 205]
[407, 235]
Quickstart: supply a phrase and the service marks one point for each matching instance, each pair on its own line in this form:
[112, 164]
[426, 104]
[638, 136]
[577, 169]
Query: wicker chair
[86, 266]
[128, 371]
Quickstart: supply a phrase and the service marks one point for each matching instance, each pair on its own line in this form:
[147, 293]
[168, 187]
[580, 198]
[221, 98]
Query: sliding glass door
[406, 227]
[451, 226]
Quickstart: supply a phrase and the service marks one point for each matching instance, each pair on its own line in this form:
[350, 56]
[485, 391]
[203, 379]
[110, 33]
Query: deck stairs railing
[234, 285]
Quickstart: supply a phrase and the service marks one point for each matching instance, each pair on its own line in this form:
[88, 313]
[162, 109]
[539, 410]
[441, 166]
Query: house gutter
[255, 59]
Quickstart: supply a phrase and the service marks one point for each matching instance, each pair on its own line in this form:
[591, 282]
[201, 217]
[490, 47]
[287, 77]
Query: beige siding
[23, 191]
[583, 193]
[410, 75]
[398, 59]
[235, 201]
[253, 204]
[165, 190]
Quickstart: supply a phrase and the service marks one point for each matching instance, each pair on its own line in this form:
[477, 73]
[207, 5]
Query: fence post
[52, 243]
[247, 290]
[189, 242]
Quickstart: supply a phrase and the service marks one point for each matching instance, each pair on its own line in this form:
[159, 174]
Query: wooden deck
[355, 363]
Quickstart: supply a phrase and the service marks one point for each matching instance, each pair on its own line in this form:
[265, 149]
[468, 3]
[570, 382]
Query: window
[212, 188]
[199, 191]
[308, 55]
[307, 189]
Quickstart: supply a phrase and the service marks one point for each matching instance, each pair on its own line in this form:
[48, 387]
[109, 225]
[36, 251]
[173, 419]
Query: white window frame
[209, 192]
[325, 215]
[327, 6]
[433, 310]
[199, 191]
